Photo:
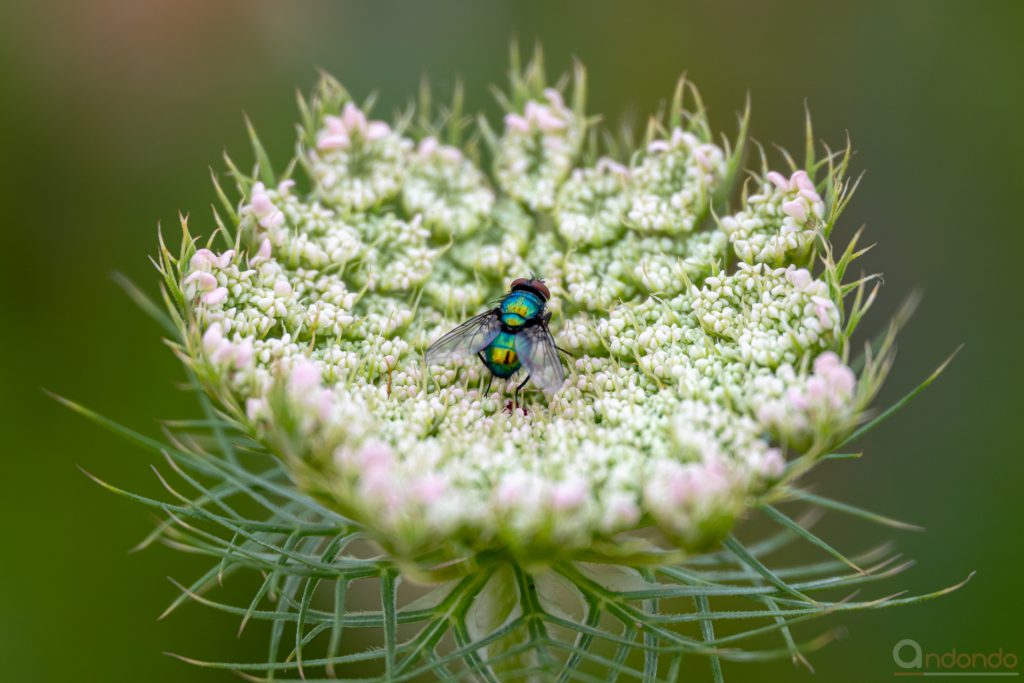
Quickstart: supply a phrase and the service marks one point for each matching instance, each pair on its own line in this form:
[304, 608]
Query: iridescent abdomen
[500, 355]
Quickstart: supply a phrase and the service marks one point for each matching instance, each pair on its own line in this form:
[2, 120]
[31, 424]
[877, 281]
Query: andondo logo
[913, 660]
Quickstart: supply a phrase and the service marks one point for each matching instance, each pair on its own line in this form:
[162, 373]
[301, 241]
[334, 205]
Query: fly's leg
[490, 375]
[516, 395]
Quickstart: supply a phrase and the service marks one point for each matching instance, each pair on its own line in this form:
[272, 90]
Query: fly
[511, 336]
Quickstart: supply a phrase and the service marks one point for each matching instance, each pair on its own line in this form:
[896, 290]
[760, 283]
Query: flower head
[689, 377]
[537, 150]
[673, 183]
[446, 189]
[777, 225]
[592, 203]
[358, 163]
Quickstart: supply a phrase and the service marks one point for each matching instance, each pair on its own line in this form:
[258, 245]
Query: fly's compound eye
[518, 282]
[541, 288]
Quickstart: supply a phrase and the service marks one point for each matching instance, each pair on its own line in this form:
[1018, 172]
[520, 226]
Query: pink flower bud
[264, 209]
[797, 399]
[254, 408]
[709, 478]
[305, 376]
[216, 297]
[826, 361]
[843, 381]
[450, 154]
[377, 130]
[778, 180]
[376, 455]
[554, 97]
[773, 464]
[510, 491]
[273, 221]
[263, 254]
[334, 124]
[429, 488]
[623, 512]
[680, 483]
[605, 164]
[244, 353]
[800, 278]
[213, 338]
[801, 181]
[810, 195]
[324, 404]
[701, 157]
[223, 354]
[840, 378]
[548, 122]
[224, 260]
[353, 118]
[332, 141]
[378, 484]
[260, 202]
[816, 390]
[203, 281]
[203, 259]
[823, 308]
[568, 494]
[796, 209]
[517, 123]
[427, 146]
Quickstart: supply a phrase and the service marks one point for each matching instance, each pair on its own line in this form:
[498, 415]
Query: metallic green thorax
[517, 309]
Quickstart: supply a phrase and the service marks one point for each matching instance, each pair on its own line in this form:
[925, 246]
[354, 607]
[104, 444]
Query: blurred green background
[112, 111]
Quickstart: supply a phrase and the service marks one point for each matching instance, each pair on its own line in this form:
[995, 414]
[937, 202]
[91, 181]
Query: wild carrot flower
[707, 339]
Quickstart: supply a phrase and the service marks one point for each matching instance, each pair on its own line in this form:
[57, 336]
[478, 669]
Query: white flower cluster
[805, 405]
[777, 225]
[591, 204]
[706, 489]
[681, 368]
[537, 151]
[773, 316]
[673, 183]
[302, 233]
[446, 189]
[668, 265]
[357, 163]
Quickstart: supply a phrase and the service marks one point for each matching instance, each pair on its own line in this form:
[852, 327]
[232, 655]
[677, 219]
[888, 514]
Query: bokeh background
[112, 111]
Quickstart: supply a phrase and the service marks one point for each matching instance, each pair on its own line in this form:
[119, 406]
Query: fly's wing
[467, 339]
[539, 356]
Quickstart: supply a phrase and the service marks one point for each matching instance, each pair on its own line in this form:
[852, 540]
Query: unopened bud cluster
[779, 224]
